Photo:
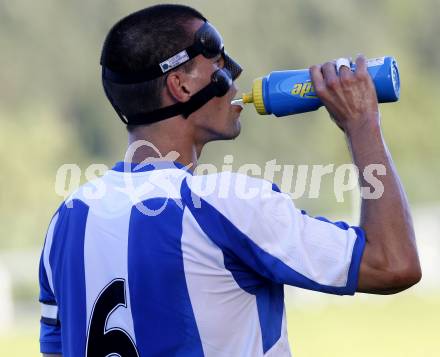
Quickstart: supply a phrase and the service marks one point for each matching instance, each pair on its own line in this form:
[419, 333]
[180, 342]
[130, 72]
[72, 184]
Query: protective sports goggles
[207, 42]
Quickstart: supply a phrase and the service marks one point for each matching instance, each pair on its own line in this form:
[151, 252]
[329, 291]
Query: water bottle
[291, 92]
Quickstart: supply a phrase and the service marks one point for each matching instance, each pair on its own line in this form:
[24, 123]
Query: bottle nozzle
[238, 102]
[255, 97]
[248, 98]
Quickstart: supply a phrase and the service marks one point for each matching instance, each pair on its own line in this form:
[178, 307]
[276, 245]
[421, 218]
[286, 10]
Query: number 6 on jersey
[115, 341]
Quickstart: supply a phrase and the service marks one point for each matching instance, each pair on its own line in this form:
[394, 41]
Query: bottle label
[379, 61]
[304, 90]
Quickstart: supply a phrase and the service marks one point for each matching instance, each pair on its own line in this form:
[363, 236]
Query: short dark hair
[140, 40]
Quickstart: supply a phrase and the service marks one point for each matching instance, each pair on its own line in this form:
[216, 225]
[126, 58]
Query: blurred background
[53, 112]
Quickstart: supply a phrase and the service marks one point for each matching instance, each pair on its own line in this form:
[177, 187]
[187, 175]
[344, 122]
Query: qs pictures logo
[304, 90]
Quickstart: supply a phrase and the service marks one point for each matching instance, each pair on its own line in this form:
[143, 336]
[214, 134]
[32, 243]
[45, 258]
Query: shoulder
[231, 184]
[236, 194]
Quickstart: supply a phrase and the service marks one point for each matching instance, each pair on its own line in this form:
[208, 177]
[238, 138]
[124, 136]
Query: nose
[234, 89]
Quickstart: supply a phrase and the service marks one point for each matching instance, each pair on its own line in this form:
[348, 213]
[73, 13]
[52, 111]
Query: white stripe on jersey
[105, 257]
[106, 245]
[49, 311]
[226, 315]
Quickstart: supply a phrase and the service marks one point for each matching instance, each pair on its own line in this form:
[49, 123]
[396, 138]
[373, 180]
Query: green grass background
[395, 326]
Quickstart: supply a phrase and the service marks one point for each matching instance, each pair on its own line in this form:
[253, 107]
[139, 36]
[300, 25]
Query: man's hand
[390, 262]
[350, 98]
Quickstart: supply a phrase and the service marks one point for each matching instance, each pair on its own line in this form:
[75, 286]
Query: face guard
[207, 42]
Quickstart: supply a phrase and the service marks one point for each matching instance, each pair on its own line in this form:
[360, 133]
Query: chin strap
[220, 83]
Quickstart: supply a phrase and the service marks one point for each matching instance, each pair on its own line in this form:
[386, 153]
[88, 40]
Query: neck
[169, 140]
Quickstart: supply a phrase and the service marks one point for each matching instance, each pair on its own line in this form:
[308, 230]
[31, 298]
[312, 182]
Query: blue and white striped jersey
[154, 261]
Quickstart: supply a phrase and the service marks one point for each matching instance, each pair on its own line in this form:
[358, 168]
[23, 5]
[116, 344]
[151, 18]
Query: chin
[232, 131]
[236, 130]
[229, 133]
[229, 130]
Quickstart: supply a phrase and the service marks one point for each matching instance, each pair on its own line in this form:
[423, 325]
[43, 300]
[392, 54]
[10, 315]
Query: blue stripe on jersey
[268, 291]
[270, 304]
[50, 334]
[46, 294]
[269, 295]
[275, 188]
[67, 262]
[122, 166]
[163, 317]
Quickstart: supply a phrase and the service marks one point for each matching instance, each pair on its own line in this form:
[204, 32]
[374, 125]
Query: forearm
[391, 260]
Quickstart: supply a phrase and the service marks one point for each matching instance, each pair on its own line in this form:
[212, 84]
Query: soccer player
[166, 263]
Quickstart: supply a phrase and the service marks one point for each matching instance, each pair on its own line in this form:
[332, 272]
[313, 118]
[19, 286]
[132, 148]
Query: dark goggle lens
[211, 43]
[210, 39]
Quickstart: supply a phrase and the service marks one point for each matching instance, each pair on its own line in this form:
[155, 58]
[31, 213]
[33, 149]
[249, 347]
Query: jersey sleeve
[252, 220]
[50, 327]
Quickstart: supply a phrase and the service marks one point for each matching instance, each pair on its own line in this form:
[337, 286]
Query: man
[170, 264]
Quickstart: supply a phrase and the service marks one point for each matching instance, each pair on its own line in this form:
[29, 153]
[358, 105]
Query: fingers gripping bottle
[291, 92]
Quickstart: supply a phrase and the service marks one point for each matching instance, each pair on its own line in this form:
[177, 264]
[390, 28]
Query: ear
[177, 85]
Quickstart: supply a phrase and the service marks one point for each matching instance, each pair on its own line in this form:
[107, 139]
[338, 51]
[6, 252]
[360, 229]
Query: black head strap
[209, 46]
